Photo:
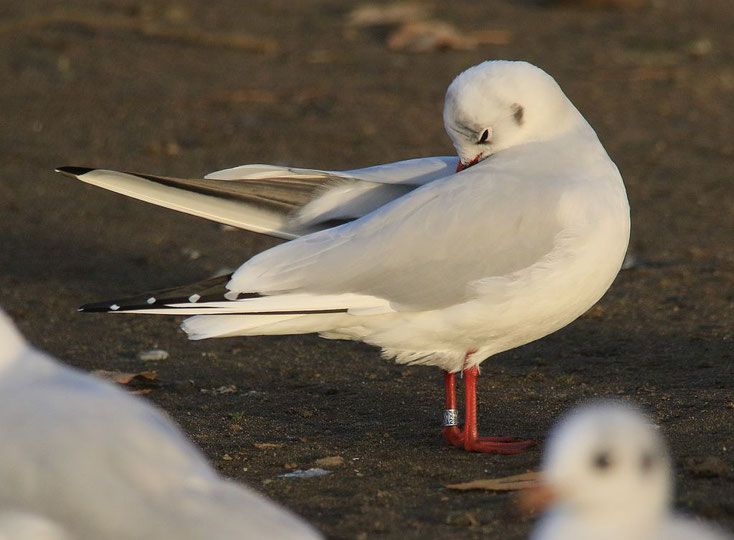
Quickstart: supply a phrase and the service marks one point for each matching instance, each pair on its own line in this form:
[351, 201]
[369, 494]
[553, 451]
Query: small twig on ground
[509, 483]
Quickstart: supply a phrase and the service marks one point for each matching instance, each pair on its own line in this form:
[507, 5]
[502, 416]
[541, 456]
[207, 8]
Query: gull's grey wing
[425, 250]
[278, 201]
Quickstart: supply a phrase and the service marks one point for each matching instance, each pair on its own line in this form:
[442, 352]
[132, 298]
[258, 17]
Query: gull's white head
[499, 104]
[606, 463]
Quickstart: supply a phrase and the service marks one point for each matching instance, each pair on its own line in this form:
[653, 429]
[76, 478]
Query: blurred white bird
[434, 266]
[608, 476]
[101, 464]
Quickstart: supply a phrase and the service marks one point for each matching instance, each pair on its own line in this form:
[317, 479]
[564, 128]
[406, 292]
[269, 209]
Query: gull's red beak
[461, 166]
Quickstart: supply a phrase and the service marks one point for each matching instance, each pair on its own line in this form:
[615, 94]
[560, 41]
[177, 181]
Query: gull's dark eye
[484, 137]
[602, 461]
[647, 462]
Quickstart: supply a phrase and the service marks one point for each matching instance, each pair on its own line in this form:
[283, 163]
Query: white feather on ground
[102, 464]
[608, 469]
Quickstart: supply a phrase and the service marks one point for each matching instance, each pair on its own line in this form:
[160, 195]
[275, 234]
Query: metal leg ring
[450, 417]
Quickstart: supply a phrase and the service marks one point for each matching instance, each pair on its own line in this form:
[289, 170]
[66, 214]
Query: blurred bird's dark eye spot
[602, 461]
[647, 462]
[484, 137]
[518, 113]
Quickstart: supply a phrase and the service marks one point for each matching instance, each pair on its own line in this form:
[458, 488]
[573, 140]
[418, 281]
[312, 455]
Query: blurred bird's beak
[538, 498]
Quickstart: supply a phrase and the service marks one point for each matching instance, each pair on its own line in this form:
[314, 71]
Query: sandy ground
[90, 86]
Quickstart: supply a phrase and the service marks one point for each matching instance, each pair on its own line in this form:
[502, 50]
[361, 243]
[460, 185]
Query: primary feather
[284, 202]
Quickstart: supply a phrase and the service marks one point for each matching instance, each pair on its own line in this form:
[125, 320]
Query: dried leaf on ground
[509, 483]
[596, 4]
[143, 378]
[414, 31]
[268, 445]
[330, 461]
[386, 14]
[462, 519]
[428, 36]
[99, 22]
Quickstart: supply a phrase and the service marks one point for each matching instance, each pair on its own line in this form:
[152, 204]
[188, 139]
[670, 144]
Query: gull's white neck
[611, 524]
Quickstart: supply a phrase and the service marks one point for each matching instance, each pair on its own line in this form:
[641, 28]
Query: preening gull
[608, 471]
[81, 459]
[438, 261]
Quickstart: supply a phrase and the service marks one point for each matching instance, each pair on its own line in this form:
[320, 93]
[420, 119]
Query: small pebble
[225, 389]
[153, 355]
[308, 473]
[330, 461]
[701, 47]
[191, 253]
[462, 519]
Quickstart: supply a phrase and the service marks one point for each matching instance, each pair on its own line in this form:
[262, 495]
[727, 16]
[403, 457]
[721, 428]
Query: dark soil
[658, 86]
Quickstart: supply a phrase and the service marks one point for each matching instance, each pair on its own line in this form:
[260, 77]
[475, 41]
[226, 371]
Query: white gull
[433, 266]
[81, 459]
[609, 476]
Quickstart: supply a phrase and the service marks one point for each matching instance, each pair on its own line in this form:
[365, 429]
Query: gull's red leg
[469, 438]
[450, 431]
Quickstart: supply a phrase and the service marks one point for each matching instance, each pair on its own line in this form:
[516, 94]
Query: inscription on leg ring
[450, 417]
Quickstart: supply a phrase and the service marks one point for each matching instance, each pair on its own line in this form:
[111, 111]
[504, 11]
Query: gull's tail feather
[295, 313]
[220, 326]
[223, 313]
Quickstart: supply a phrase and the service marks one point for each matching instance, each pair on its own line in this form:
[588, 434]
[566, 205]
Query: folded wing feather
[278, 201]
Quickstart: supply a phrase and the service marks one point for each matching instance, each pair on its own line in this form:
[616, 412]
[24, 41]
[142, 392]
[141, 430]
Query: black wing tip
[98, 307]
[209, 290]
[73, 171]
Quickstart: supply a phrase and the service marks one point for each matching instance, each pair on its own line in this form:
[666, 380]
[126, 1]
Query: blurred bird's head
[608, 462]
[499, 104]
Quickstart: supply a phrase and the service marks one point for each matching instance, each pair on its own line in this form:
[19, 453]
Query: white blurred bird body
[609, 475]
[487, 259]
[104, 464]
[15, 525]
